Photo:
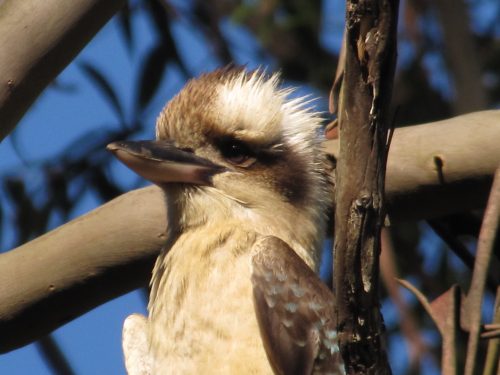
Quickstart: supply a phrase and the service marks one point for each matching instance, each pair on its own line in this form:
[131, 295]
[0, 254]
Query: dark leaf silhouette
[151, 74]
[102, 83]
[92, 142]
[103, 186]
[56, 359]
[59, 189]
[161, 13]
[24, 209]
[125, 25]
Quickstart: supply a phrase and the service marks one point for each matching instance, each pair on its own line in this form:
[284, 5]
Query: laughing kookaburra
[235, 290]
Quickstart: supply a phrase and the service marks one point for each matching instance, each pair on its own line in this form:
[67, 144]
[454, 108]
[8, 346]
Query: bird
[235, 289]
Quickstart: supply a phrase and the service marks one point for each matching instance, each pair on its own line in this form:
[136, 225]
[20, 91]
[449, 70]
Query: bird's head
[232, 143]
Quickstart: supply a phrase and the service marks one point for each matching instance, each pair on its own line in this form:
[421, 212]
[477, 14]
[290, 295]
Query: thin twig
[474, 300]
[491, 363]
[458, 248]
[54, 357]
[409, 326]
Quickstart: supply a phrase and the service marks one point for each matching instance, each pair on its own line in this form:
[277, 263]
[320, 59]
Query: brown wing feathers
[295, 311]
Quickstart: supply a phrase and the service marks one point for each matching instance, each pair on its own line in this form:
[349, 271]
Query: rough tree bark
[364, 122]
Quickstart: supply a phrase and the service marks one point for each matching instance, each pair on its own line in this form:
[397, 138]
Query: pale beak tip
[113, 147]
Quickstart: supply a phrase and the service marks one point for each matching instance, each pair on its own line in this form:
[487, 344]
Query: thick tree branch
[109, 251]
[441, 167]
[38, 39]
[80, 265]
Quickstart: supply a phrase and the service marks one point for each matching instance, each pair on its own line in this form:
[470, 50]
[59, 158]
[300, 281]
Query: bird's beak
[161, 162]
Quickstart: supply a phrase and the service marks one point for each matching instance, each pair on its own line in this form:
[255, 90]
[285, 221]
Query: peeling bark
[364, 124]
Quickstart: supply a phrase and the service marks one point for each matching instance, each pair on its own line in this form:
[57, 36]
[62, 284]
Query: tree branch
[364, 123]
[462, 56]
[38, 39]
[472, 309]
[441, 167]
[110, 251]
[80, 265]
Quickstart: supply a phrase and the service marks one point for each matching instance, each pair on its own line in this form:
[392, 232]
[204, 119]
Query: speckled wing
[295, 312]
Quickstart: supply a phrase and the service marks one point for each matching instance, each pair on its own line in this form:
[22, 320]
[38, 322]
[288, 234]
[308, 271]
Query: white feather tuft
[257, 106]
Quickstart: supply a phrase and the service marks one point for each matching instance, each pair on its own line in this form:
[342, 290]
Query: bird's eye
[237, 153]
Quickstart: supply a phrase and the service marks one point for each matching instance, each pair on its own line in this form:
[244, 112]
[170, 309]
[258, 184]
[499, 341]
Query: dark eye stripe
[235, 151]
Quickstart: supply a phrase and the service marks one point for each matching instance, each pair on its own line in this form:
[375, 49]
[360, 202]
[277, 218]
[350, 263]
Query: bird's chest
[204, 309]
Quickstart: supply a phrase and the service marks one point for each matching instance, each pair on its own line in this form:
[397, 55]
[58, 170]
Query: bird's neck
[193, 210]
[200, 221]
